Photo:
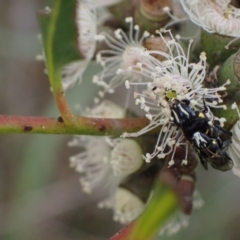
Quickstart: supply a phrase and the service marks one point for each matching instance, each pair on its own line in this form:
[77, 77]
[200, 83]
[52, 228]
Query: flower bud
[126, 157]
[150, 14]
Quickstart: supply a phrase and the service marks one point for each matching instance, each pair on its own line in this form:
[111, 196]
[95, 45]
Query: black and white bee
[207, 138]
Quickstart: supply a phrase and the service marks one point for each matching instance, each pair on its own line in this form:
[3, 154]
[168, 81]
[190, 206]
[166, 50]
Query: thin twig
[82, 125]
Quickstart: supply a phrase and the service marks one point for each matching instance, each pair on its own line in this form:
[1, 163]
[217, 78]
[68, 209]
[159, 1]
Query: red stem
[124, 233]
[63, 108]
[82, 125]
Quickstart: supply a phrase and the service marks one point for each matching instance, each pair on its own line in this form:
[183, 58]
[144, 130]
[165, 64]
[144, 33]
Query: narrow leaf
[59, 33]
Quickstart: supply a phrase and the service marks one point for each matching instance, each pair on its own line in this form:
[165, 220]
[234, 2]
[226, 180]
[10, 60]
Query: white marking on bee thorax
[183, 110]
[175, 116]
[198, 138]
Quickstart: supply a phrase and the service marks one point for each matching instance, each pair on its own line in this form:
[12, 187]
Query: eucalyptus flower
[126, 205]
[176, 14]
[104, 162]
[86, 22]
[217, 16]
[173, 78]
[125, 53]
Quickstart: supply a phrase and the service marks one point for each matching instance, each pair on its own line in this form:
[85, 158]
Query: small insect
[207, 138]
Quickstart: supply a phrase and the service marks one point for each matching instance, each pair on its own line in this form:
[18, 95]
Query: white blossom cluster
[104, 162]
[218, 16]
[173, 78]
[152, 79]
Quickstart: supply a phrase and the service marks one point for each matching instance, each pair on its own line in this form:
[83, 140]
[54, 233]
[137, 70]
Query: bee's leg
[203, 162]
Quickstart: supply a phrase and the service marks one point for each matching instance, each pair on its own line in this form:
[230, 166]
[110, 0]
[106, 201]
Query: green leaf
[59, 35]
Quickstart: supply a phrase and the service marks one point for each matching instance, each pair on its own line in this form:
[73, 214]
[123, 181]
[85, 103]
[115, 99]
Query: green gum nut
[230, 69]
[229, 114]
[215, 47]
[149, 15]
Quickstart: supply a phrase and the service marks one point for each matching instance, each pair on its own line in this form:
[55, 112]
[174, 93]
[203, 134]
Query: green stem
[82, 125]
[162, 205]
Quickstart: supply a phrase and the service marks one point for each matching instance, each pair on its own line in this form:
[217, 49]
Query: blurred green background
[40, 196]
